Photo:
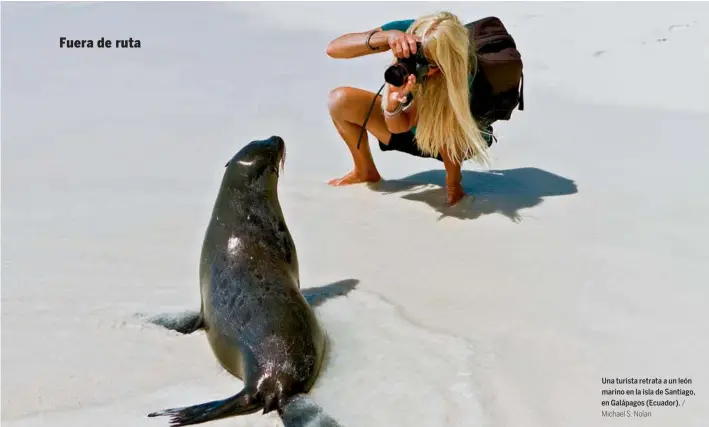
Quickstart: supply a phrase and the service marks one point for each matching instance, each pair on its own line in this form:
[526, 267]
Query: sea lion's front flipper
[184, 323]
[240, 404]
[318, 295]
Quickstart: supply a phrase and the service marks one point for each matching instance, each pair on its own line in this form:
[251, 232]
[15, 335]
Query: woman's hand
[402, 44]
[397, 95]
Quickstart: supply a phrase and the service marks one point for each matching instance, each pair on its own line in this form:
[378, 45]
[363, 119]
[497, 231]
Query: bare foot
[355, 177]
[455, 194]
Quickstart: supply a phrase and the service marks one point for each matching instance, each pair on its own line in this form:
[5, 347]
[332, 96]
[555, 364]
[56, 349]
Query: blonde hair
[444, 118]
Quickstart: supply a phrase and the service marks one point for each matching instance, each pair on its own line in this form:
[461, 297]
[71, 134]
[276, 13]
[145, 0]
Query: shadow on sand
[498, 191]
[318, 295]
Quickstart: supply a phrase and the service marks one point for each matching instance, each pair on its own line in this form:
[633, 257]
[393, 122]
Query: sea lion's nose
[278, 140]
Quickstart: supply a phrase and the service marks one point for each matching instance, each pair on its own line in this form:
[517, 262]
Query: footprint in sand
[676, 27]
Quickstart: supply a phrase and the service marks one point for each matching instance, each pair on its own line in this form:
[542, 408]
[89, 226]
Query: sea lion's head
[257, 164]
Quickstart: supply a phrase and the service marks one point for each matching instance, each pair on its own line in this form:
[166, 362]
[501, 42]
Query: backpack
[498, 82]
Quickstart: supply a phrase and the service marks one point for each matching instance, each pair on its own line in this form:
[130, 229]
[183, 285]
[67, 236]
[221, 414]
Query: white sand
[583, 256]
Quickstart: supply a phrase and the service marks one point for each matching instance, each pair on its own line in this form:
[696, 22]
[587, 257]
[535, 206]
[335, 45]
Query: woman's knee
[338, 99]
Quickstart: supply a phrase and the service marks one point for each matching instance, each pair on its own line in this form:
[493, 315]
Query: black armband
[369, 37]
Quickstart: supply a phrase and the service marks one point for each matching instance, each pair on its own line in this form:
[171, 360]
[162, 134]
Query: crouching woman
[426, 118]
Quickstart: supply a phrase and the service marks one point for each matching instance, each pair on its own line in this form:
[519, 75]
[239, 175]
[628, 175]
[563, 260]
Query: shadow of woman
[498, 191]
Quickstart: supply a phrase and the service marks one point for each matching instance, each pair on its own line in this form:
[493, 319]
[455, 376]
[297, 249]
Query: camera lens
[396, 75]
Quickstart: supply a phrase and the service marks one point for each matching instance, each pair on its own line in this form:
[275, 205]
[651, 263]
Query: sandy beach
[577, 257]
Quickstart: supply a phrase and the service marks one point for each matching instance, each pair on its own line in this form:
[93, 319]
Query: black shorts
[406, 143]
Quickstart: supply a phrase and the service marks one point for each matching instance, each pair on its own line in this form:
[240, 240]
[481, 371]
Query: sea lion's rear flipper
[240, 404]
[184, 323]
[302, 411]
[320, 294]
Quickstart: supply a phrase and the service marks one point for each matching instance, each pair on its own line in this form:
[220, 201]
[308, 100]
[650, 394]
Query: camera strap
[369, 113]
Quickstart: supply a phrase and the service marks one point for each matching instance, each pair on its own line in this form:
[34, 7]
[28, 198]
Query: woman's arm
[399, 115]
[353, 45]
[404, 120]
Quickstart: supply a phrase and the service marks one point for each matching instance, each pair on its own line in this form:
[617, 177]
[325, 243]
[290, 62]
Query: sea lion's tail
[240, 404]
[301, 411]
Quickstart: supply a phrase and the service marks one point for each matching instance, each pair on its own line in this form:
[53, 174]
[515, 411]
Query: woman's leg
[348, 108]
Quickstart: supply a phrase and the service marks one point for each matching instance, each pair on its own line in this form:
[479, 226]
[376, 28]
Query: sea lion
[261, 328]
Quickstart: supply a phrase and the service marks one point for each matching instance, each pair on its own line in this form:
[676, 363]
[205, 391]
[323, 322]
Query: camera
[415, 64]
